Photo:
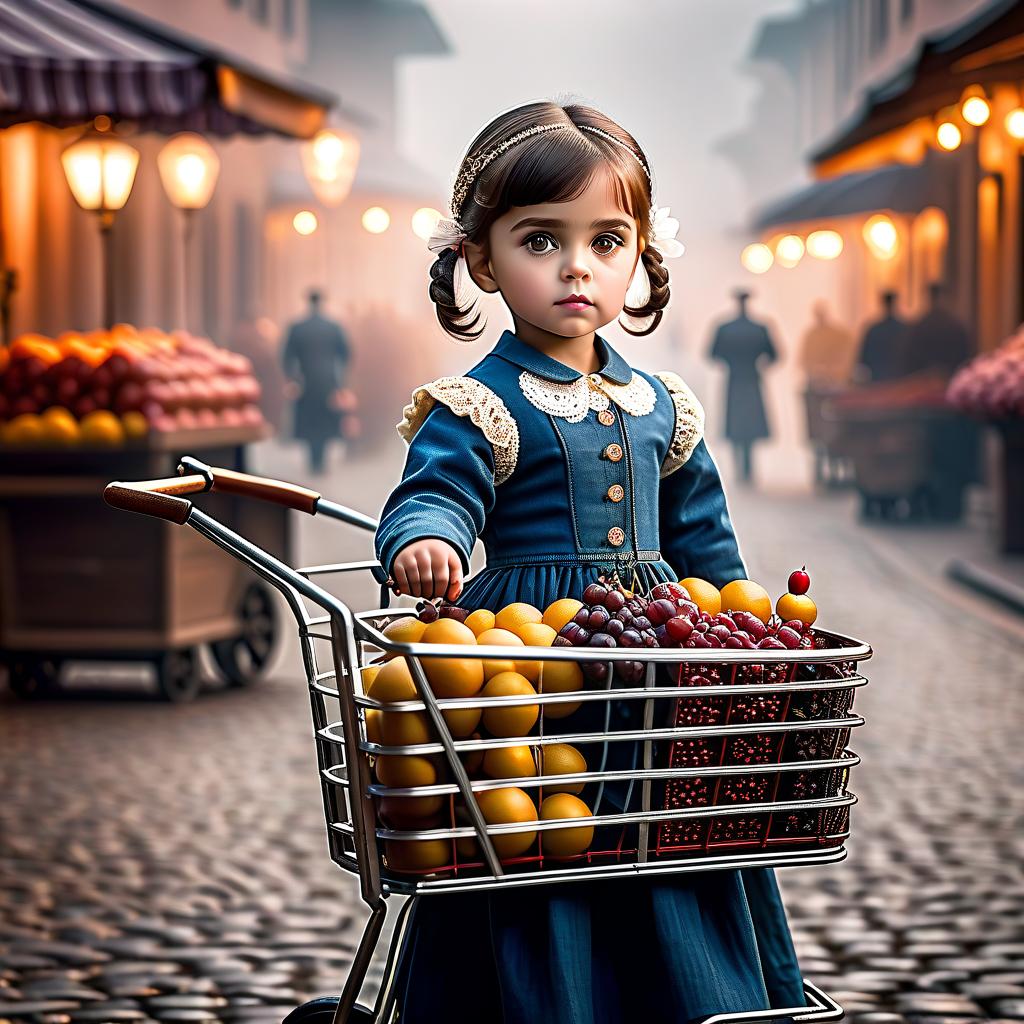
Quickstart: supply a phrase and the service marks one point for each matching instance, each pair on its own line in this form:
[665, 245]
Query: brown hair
[551, 166]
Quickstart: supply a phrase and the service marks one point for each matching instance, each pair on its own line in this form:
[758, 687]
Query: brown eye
[605, 245]
[539, 243]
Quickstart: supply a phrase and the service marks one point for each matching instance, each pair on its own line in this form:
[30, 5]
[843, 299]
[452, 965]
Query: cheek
[521, 277]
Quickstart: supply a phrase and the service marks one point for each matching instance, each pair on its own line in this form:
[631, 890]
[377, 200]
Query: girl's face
[562, 267]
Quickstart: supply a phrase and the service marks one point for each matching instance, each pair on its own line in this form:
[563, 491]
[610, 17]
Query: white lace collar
[572, 401]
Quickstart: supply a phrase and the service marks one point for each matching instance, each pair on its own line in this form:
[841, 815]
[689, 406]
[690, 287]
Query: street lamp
[757, 258]
[189, 167]
[329, 160]
[100, 170]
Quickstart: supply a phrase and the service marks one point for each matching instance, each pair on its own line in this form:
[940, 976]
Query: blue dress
[558, 493]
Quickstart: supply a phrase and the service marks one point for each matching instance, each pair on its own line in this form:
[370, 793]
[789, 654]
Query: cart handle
[230, 481]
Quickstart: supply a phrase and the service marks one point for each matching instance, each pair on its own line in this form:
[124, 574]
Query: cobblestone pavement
[169, 863]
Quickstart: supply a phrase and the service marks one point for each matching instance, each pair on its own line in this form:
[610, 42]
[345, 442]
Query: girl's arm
[446, 491]
[697, 537]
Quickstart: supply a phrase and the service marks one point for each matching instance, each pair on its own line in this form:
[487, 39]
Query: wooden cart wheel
[33, 676]
[243, 658]
[177, 675]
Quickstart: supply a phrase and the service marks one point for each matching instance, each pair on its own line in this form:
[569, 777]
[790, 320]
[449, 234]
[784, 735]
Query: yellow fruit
[26, 429]
[513, 616]
[480, 621]
[410, 811]
[60, 427]
[510, 763]
[504, 806]
[102, 427]
[559, 612]
[404, 728]
[517, 720]
[393, 683]
[560, 677]
[498, 638]
[368, 675]
[797, 606]
[747, 596]
[452, 677]
[373, 725]
[406, 630]
[562, 759]
[703, 594]
[569, 841]
[418, 855]
[135, 424]
[462, 722]
[534, 634]
[397, 771]
[473, 760]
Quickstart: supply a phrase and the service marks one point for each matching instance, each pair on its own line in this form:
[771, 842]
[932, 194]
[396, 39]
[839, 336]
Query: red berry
[799, 582]
[679, 627]
[770, 643]
[789, 637]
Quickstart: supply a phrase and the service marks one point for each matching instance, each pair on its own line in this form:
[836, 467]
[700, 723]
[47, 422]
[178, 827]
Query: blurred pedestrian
[744, 345]
[883, 350]
[826, 351]
[939, 341]
[316, 359]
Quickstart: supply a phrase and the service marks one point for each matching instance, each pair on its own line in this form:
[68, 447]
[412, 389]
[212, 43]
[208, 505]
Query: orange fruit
[135, 424]
[480, 621]
[559, 612]
[393, 683]
[797, 606]
[516, 720]
[404, 728]
[373, 725]
[510, 763]
[452, 677]
[406, 630]
[103, 428]
[562, 759]
[410, 811]
[560, 677]
[747, 596]
[462, 722]
[26, 429]
[368, 675]
[534, 634]
[417, 855]
[569, 841]
[498, 638]
[473, 759]
[397, 771]
[60, 426]
[504, 806]
[703, 594]
[515, 615]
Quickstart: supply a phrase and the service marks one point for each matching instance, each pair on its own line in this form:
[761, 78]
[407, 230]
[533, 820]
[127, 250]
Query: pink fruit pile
[992, 385]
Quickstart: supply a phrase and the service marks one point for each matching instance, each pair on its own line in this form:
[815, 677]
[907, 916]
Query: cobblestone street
[168, 863]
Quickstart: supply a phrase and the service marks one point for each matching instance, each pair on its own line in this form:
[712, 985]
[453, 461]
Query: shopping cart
[745, 749]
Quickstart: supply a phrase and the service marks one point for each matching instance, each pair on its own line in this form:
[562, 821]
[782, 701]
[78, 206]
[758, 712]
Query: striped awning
[65, 62]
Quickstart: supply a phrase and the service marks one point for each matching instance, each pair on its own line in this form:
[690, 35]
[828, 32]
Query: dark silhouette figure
[826, 351]
[743, 345]
[316, 357]
[939, 341]
[883, 350]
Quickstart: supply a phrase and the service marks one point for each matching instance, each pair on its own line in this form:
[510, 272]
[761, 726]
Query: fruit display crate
[720, 759]
[78, 582]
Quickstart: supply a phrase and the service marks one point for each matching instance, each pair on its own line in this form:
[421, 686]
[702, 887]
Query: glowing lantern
[975, 110]
[881, 236]
[188, 169]
[329, 161]
[948, 135]
[824, 245]
[305, 222]
[1014, 123]
[757, 258]
[789, 251]
[376, 220]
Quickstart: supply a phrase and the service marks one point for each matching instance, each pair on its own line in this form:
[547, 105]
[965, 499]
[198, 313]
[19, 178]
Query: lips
[574, 300]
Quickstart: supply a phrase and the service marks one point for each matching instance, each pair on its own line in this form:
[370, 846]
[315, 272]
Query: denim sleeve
[697, 537]
[446, 491]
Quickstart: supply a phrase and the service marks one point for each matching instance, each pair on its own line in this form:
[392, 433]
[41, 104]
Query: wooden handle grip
[228, 481]
[157, 498]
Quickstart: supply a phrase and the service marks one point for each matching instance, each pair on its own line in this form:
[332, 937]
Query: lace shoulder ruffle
[689, 427]
[468, 397]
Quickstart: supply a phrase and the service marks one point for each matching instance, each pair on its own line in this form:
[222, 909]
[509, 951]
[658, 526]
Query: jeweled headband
[465, 180]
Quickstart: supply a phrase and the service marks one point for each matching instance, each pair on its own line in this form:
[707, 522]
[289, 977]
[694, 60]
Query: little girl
[568, 463]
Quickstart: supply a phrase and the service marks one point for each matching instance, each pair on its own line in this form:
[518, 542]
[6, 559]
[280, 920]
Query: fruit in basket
[515, 720]
[534, 634]
[473, 760]
[747, 596]
[102, 427]
[462, 722]
[571, 840]
[562, 759]
[398, 771]
[704, 595]
[404, 728]
[498, 638]
[410, 812]
[60, 427]
[799, 581]
[373, 733]
[25, 430]
[560, 677]
[393, 683]
[452, 677]
[417, 855]
[480, 621]
[504, 807]
[135, 424]
[406, 630]
[515, 615]
[559, 612]
[368, 674]
[797, 606]
[510, 763]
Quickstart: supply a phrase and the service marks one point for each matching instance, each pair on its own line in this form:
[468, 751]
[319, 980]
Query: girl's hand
[428, 568]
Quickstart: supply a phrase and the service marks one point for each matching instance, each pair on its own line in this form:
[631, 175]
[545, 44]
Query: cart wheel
[321, 1011]
[30, 676]
[177, 675]
[242, 658]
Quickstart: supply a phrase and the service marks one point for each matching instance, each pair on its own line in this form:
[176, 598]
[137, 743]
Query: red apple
[799, 581]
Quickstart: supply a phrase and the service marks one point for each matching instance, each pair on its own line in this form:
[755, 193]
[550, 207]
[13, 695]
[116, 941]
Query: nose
[576, 266]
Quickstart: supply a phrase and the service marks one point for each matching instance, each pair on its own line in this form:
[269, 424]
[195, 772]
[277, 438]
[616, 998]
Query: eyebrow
[538, 222]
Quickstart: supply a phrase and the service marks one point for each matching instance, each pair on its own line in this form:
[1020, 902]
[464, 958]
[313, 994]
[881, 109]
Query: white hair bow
[448, 234]
[663, 233]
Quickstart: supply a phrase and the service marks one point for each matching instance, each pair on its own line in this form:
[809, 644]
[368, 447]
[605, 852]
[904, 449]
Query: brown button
[606, 416]
[613, 452]
[616, 536]
[616, 493]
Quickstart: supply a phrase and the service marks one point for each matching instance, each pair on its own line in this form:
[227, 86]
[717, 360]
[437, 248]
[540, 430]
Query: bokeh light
[757, 258]
[1015, 123]
[975, 110]
[789, 251]
[376, 220]
[825, 244]
[881, 236]
[948, 135]
[305, 222]
[424, 220]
